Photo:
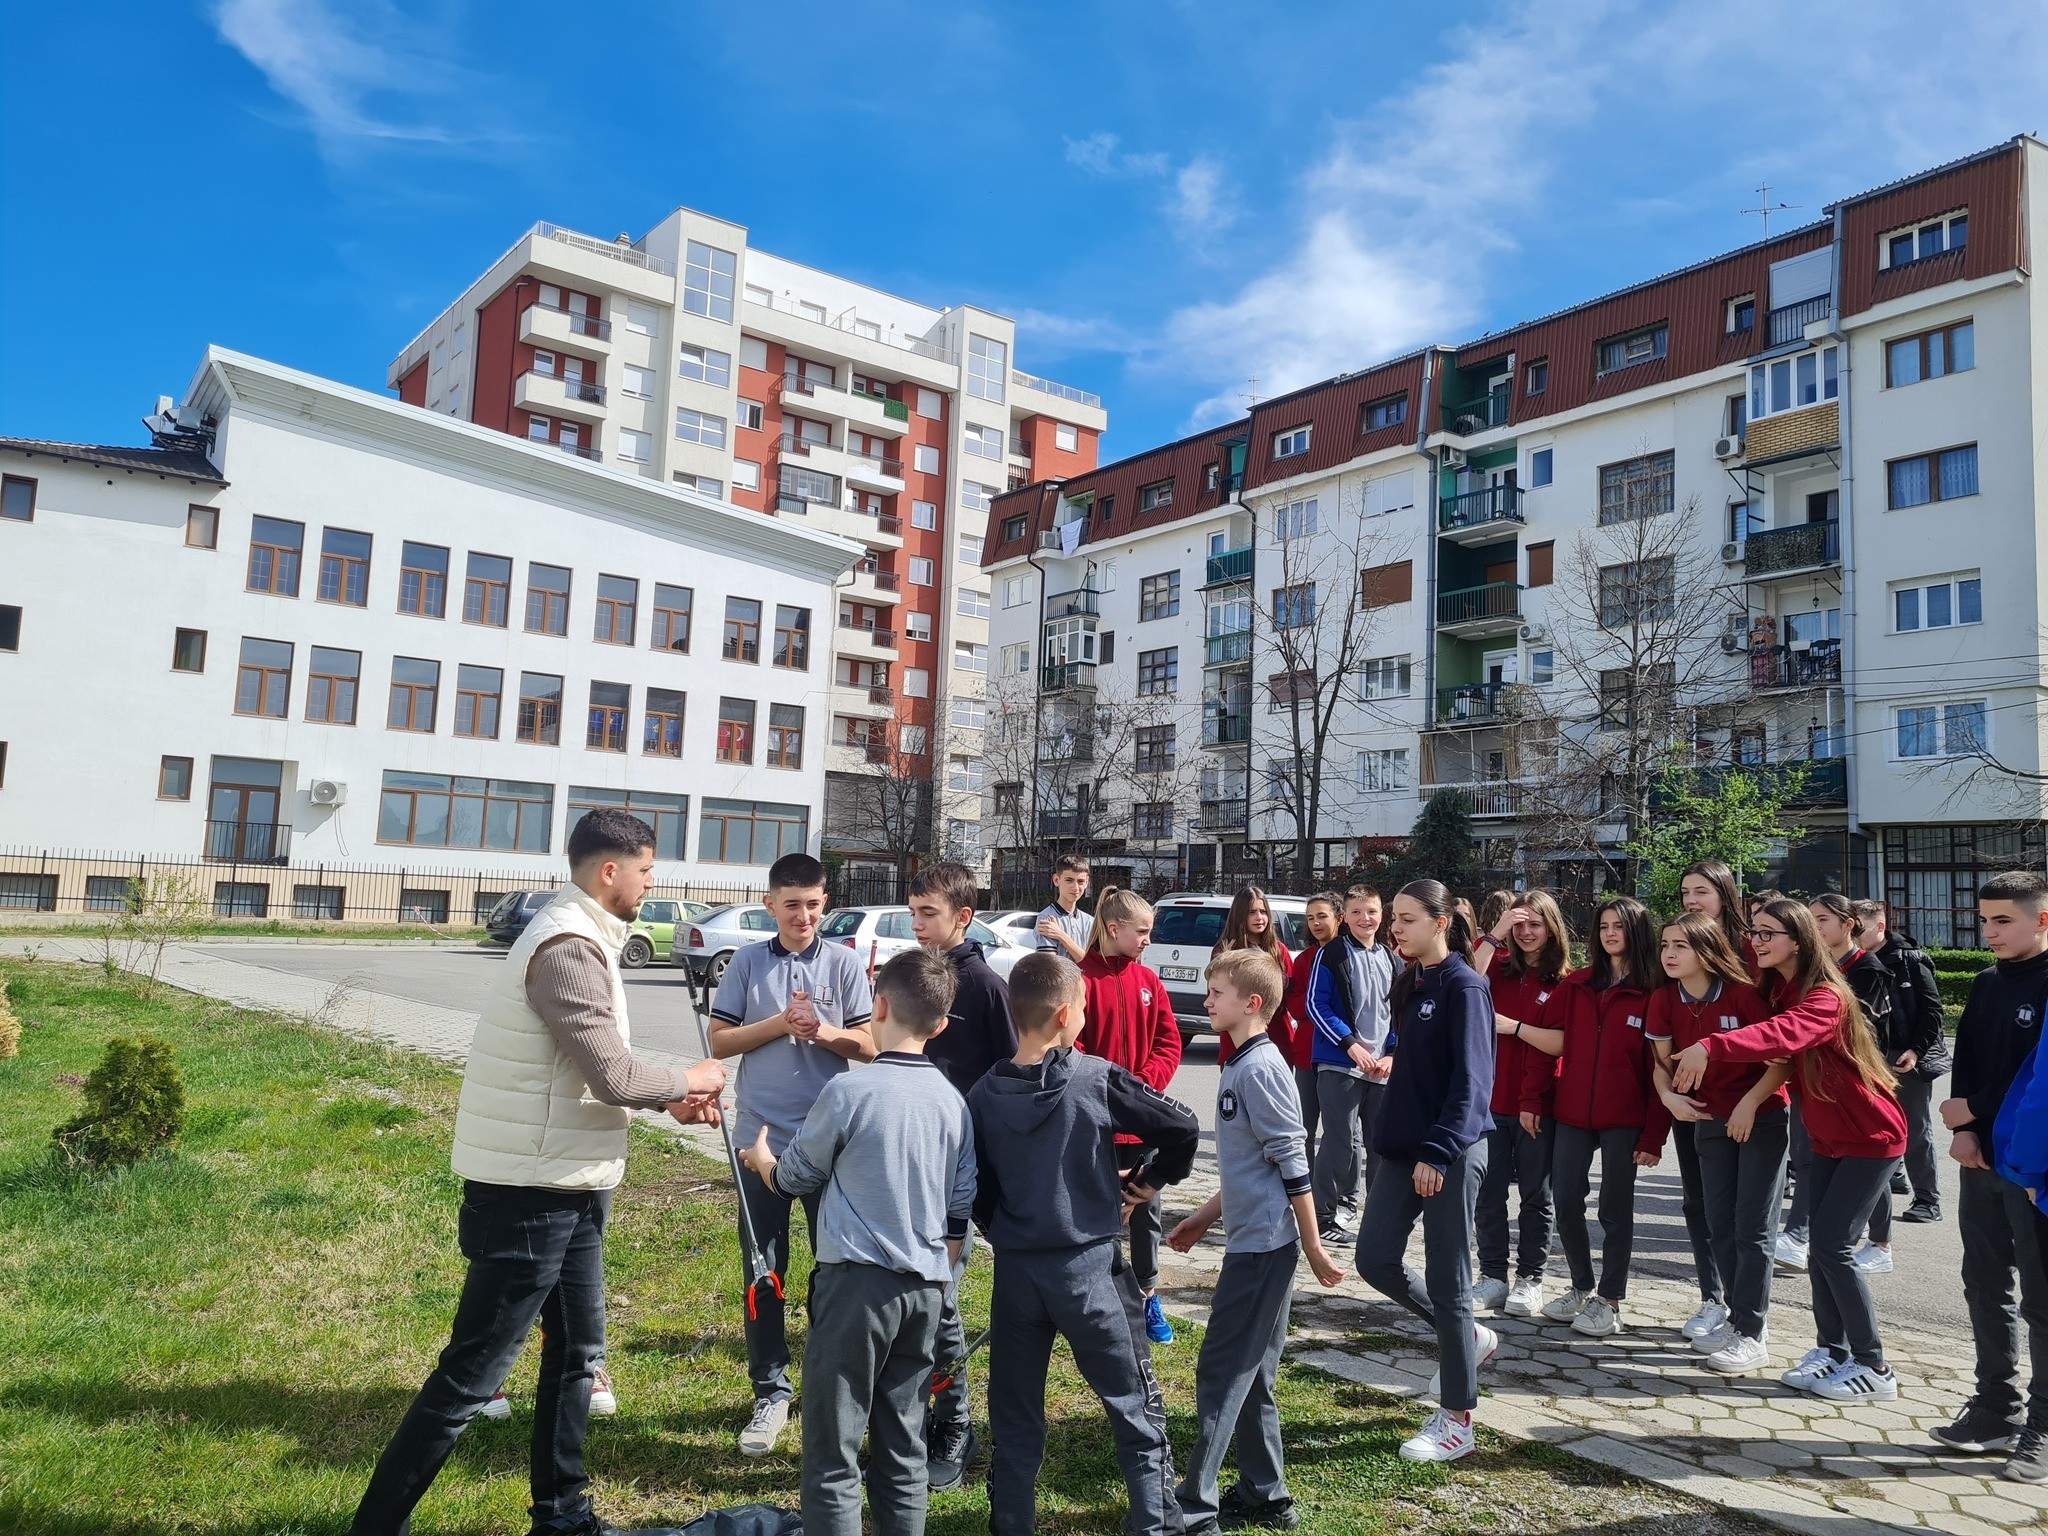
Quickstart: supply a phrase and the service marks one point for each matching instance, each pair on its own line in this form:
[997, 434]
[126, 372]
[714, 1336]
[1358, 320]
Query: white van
[1185, 930]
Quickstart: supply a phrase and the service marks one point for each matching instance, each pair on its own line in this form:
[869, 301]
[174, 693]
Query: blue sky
[1172, 199]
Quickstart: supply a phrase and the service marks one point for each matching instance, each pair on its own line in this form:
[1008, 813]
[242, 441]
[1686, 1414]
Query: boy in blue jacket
[1347, 1008]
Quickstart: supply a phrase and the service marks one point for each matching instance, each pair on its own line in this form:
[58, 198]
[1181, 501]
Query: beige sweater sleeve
[568, 986]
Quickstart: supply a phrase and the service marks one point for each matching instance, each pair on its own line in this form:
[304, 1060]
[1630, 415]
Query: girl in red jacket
[1602, 1103]
[1130, 1023]
[1523, 957]
[1738, 1123]
[1250, 926]
[1852, 1118]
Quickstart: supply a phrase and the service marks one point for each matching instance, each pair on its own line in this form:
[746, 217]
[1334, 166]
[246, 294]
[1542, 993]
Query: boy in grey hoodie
[1051, 1201]
[893, 1153]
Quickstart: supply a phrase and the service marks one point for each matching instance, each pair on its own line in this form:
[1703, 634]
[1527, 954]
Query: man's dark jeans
[533, 1254]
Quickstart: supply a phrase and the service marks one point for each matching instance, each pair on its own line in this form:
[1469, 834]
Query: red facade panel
[412, 388]
[1335, 413]
[1990, 188]
[497, 358]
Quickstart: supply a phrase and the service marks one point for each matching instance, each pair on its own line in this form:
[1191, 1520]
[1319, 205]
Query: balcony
[1788, 322]
[865, 636]
[1489, 801]
[574, 450]
[1060, 745]
[858, 409]
[247, 842]
[882, 694]
[1232, 565]
[1066, 676]
[548, 395]
[1076, 602]
[1476, 416]
[1481, 516]
[874, 471]
[857, 756]
[1823, 781]
[1230, 649]
[1492, 609]
[1223, 815]
[1057, 391]
[1782, 667]
[552, 329]
[1226, 730]
[1478, 704]
[1776, 552]
[1062, 823]
[872, 586]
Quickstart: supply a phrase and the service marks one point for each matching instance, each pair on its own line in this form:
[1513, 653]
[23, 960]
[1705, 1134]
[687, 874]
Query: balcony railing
[1788, 322]
[1064, 676]
[1823, 781]
[580, 324]
[1475, 509]
[1780, 666]
[248, 842]
[886, 581]
[1226, 730]
[1058, 746]
[1223, 815]
[1060, 391]
[1231, 565]
[1500, 600]
[1479, 415]
[1073, 603]
[596, 247]
[881, 693]
[1802, 547]
[1497, 797]
[1062, 823]
[1477, 703]
[1228, 649]
[849, 322]
[578, 450]
[874, 749]
[575, 389]
[885, 638]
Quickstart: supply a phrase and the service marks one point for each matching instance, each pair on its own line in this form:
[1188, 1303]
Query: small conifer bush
[134, 1106]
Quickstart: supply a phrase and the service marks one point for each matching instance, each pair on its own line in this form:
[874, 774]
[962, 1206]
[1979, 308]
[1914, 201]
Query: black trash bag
[746, 1520]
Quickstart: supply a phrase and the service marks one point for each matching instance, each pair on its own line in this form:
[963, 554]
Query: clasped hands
[699, 1106]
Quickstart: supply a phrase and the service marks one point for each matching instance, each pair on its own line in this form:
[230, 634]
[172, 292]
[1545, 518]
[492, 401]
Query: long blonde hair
[1816, 968]
[1116, 904]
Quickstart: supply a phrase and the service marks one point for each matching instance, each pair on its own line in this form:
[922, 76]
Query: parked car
[1185, 929]
[884, 932]
[707, 946]
[1015, 927]
[515, 909]
[653, 933]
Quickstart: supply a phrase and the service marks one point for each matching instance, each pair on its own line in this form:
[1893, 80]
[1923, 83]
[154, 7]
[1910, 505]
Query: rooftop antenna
[1765, 208]
[1251, 395]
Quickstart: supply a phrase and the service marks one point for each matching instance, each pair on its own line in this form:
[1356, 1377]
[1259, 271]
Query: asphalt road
[1923, 1291]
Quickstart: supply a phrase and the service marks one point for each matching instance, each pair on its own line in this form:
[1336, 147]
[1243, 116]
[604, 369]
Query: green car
[653, 933]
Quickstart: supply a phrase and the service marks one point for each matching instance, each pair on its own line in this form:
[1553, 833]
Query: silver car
[878, 934]
[705, 946]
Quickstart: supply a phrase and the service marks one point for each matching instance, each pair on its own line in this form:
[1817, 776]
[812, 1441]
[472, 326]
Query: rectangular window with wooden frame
[435, 810]
[1928, 477]
[1639, 487]
[1159, 596]
[1159, 671]
[618, 600]
[174, 778]
[610, 703]
[736, 730]
[1381, 586]
[415, 691]
[671, 628]
[1294, 607]
[423, 580]
[487, 590]
[785, 736]
[662, 735]
[540, 709]
[344, 568]
[1155, 748]
[263, 681]
[188, 651]
[792, 638]
[1638, 592]
[1930, 355]
[1155, 496]
[332, 679]
[478, 693]
[742, 629]
[1381, 414]
[547, 599]
[1631, 699]
[202, 527]
[274, 549]
[1643, 346]
[17, 498]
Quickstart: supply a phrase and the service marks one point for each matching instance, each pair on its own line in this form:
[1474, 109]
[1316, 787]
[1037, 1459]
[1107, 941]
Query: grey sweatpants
[1088, 1297]
[1692, 1206]
[1443, 1294]
[1916, 1098]
[1995, 1218]
[1350, 1111]
[949, 1404]
[1145, 1225]
[867, 1367]
[767, 1338]
[1234, 1377]
[1844, 1317]
[1571, 1176]
[1741, 1184]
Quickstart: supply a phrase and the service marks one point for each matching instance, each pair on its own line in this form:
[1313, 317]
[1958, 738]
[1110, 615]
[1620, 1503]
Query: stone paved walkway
[1639, 1402]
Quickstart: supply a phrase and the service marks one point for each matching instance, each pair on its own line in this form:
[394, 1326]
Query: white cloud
[1195, 199]
[1198, 203]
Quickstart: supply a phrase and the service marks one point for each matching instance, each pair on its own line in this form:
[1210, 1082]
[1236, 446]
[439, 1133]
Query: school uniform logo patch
[2025, 1016]
[1635, 1021]
[1730, 1021]
[1542, 997]
[1427, 1010]
[1145, 996]
[1226, 1103]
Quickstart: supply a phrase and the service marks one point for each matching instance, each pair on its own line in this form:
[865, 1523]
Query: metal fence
[36, 880]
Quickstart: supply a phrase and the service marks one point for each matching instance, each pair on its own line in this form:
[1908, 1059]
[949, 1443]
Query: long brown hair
[1707, 939]
[1555, 958]
[1493, 907]
[1734, 918]
[1638, 959]
[1237, 933]
[1116, 904]
[1816, 968]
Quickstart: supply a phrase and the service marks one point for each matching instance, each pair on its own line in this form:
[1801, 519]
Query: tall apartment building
[1782, 507]
[691, 358]
[344, 639]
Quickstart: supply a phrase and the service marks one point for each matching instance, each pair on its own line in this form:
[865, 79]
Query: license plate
[1179, 973]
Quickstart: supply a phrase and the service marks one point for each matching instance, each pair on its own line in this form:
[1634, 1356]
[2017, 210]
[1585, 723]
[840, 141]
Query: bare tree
[885, 811]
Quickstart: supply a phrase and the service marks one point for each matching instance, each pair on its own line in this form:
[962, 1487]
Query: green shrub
[134, 1105]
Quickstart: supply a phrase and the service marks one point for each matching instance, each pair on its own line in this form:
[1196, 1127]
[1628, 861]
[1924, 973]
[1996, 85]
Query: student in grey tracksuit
[1347, 1008]
[1051, 1203]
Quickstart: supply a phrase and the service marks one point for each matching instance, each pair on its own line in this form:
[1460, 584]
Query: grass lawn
[221, 1340]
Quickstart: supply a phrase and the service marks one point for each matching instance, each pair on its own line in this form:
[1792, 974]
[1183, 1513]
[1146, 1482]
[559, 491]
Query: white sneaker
[1812, 1366]
[499, 1407]
[1739, 1356]
[1872, 1259]
[1719, 1339]
[1600, 1318]
[1566, 1308]
[1525, 1297]
[1488, 1295]
[604, 1402]
[1443, 1438]
[1790, 1252]
[765, 1427]
[1853, 1383]
[1712, 1317]
[1485, 1345]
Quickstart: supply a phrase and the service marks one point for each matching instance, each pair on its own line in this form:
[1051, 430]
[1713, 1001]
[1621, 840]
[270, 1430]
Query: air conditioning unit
[1728, 447]
[1049, 539]
[1731, 552]
[1535, 632]
[328, 792]
[1452, 458]
[1731, 645]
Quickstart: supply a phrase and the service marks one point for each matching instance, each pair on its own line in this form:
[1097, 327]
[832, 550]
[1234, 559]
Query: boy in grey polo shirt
[1063, 927]
[796, 1010]
[1261, 1153]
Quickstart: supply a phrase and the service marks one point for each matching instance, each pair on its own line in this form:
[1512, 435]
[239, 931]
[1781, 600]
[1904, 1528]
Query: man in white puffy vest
[540, 1142]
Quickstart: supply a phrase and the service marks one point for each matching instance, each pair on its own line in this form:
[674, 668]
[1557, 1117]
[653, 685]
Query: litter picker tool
[751, 1257]
[948, 1371]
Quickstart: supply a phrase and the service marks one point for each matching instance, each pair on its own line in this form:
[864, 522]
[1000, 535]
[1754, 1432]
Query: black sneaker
[1976, 1432]
[1234, 1512]
[2029, 1460]
[1901, 1185]
[1918, 1212]
[947, 1460]
[1334, 1236]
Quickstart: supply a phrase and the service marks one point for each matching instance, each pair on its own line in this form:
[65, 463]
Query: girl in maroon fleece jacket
[1603, 1103]
[1130, 1024]
[1853, 1119]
